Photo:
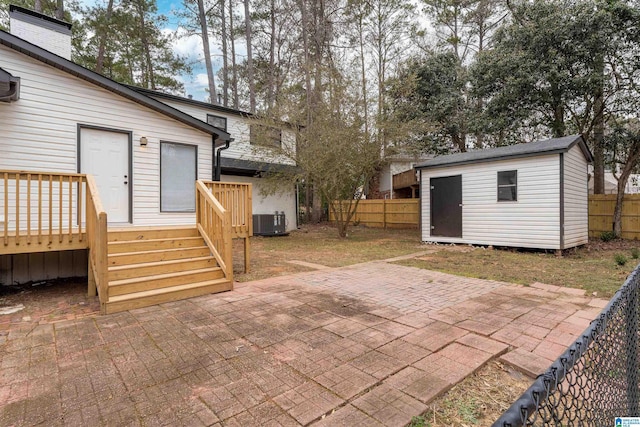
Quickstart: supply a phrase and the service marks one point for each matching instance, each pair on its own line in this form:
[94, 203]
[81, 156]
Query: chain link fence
[596, 379]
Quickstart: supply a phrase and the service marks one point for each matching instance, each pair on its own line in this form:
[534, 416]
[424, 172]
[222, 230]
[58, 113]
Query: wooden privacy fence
[601, 208]
[386, 213]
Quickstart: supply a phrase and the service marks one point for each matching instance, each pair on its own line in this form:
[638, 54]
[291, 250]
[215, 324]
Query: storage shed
[532, 195]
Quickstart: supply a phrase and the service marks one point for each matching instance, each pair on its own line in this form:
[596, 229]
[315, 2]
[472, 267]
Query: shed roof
[538, 148]
[42, 55]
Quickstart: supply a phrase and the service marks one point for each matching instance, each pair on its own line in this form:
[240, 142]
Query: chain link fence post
[632, 351]
[596, 379]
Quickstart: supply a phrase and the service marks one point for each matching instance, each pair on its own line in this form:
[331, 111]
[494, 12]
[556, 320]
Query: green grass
[593, 271]
[592, 268]
[320, 244]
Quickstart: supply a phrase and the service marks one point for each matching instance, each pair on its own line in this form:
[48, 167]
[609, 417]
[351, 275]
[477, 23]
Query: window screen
[507, 186]
[177, 177]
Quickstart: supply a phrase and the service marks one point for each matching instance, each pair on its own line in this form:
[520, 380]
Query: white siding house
[527, 195]
[145, 154]
[244, 161]
[70, 119]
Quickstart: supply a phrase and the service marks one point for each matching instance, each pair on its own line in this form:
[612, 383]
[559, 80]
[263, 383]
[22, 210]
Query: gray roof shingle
[22, 46]
[549, 146]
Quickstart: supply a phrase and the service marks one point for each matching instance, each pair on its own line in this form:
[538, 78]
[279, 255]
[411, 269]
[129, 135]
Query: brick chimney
[43, 31]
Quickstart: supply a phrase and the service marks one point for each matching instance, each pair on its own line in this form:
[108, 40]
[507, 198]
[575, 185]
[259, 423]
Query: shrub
[635, 253]
[620, 259]
[607, 236]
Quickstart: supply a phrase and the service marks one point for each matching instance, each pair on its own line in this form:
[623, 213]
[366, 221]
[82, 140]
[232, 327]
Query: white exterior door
[105, 155]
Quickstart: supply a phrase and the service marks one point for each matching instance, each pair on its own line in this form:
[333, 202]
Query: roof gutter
[9, 87]
[218, 159]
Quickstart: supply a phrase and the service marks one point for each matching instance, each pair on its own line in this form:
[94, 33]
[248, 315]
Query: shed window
[178, 173]
[507, 186]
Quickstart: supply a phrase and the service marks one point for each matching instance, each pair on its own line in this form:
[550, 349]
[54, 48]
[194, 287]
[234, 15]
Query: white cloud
[202, 79]
[189, 46]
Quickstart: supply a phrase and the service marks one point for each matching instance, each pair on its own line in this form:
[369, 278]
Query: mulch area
[45, 302]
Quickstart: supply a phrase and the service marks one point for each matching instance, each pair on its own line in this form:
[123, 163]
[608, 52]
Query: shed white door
[105, 155]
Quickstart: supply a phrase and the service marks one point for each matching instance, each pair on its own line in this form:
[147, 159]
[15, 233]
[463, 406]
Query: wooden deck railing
[214, 224]
[41, 211]
[237, 198]
[96, 218]
[405, 179]
[50, 211]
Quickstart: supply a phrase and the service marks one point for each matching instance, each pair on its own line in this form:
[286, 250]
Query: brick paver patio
[370, 344]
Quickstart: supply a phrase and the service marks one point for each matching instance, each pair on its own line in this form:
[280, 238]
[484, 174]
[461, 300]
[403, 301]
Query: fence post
[384, 213]
[632, 350]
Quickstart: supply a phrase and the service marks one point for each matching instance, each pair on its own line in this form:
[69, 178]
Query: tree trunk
[363, 74]
[202, 16]
[271, 90]
[307, 201]
[103, 38]
[629, 166]
[60, 9]
[316, 214]
[225, 55]
[37, 6]
[234, 68]
[307, 65]
[247, 31]
[149, 80]
[598, 132]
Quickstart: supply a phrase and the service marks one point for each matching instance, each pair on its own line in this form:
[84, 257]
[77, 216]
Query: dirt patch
[480, 399]
[47, 301]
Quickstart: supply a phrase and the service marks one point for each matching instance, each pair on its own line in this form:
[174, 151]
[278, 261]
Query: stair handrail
[214, 224]
[237, 198]
[96, 218]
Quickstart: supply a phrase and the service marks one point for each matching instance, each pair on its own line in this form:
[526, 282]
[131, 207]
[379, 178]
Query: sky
[189, 47]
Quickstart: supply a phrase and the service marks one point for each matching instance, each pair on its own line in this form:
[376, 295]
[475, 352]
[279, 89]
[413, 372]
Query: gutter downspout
[218, 161]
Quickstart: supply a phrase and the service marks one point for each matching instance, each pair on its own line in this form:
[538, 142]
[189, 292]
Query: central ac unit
[269, 224]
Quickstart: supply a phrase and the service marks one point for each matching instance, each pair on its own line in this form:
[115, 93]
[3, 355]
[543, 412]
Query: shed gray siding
[533, 221]
[576, 199]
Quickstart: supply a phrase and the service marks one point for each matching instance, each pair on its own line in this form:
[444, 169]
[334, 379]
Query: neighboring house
[247, 157]
[396, 178]
[611, 184]
[145, 154]
[526, 195]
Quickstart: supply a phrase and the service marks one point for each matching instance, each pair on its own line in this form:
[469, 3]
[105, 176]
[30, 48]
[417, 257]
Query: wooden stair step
[153, 244]
[139, 257]
[173, 293]
[129, 271]
[139, 284]
[145, 233]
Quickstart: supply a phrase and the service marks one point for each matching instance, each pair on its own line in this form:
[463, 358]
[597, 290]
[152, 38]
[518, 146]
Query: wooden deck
[128, 267]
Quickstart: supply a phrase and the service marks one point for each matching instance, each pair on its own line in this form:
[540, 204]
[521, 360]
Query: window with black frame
[217, 121]
[508, 186]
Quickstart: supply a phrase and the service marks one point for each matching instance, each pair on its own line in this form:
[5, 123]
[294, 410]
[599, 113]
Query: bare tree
[248, 36]
[225, 54]
[102, 36]
[204, 32]
[234, 67]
